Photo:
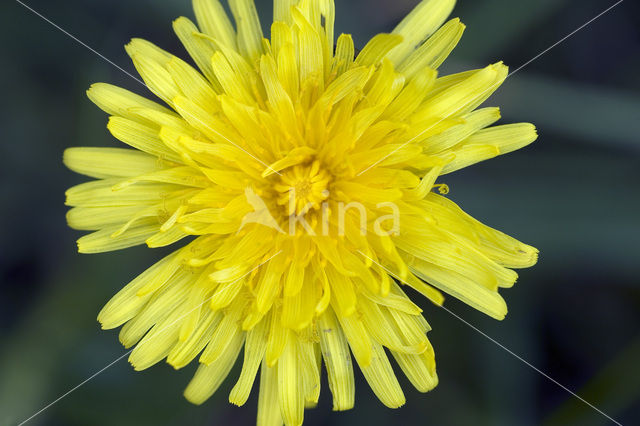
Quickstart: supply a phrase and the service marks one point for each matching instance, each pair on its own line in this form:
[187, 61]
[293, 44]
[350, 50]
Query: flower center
[303, 187]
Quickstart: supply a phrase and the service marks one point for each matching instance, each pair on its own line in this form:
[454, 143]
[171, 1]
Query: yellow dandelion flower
[302, 176]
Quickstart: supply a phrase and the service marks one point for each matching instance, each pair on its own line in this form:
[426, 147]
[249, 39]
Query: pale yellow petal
[254, 350]
[503, 249]
[109, 162]
[208, 378]
[192, 84]
[103, 240]
[473, 122]
[470, 154]
[466, 95]
[412, 95]
[419, 369]
[507, 138]
[345, 54]
[310, 54]
[213, 20]
[126, 303]
[115, 100]
[268, 400]
[185, 351]
[288, 70]
[461, 287]
[140, 136]
[377, 48]
[309, 366]
[435, 50]
[382, 379]
[224, 336]
[423, 21]
[166, 238]
[200, 49]
[165, 300]
[278, 338]
[100, 193]
[232, 83]
[358, 338]
[150, 60]
[290, 393]
[156, 344]
[282, 10]
[249, 29]
[94, 218]
[337, 359]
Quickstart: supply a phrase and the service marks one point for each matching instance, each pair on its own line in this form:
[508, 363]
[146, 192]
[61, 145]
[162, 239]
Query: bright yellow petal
[423, 21]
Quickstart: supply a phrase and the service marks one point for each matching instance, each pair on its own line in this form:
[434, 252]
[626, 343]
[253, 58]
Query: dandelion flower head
[301, 181]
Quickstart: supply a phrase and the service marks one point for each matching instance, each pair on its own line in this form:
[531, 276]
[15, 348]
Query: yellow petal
[225, 294]
[435, 50]
[507, 138]
[337, 358]
[230, 81]
[209, 377]
[213, 20]
[150, 60]
[185, 351]
[419, 369]
[328, 12]
[117, 101]
[278, 337]
[164, 300]
[344, 297]
[473, 122]
[309, 366]
[382, 379]
[345, 54]
[269, 286]
[100, 193]
[384, 331]
[141, 137]
[461, 287]
[94, 218]
[468, 155]
[109, 162]
[503, 249]
[309, 50]
[282, 10]
[200, 49]
[288, 70]
[192, 84]
[268, 400]
[289, 386]
[103, 240]
[224, 336]
[279, 100]
[166, 238]
[412, 95]
[423, 21]
[377, 48]
[466, 95]
[126, 303]
[254, 350]
[157, 343]
[358, 338]
[249, 29]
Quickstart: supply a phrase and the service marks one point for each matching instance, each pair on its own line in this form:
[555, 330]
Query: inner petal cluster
[303, 187]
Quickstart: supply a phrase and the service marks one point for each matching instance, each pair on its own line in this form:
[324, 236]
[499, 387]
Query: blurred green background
[574, 194]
